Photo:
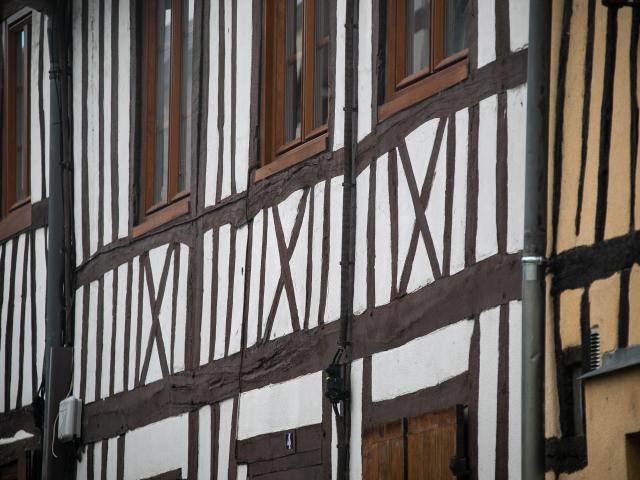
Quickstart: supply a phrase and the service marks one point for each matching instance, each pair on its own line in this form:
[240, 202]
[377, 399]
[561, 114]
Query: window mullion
[174, 100]
[25, 116]
[279, 84]
[437, 33]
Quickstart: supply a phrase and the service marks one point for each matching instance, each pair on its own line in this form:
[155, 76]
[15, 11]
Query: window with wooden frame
[167, 117]
[15, 208]
[295, 82]
[432, 445]
[426, 50]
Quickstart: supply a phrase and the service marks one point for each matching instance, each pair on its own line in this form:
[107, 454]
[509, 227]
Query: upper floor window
[15, 171]
[426, 50]
[295, 85]
[167, 116]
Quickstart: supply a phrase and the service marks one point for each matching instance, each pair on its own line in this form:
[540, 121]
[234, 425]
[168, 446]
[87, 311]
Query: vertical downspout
[57, 459]
[535, 222]
[348, 238]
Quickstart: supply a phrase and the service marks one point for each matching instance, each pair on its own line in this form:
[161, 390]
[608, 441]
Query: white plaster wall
[97, 458]
[516, 133]
[124, 114]
[281, 406]
[93, 113]
[254, 285]
[164, 315]
[81, 468]
[76, 80]
[421, 363]
[213, 140]
[157, 448]
[360, 266]
[487, 394]
[181, 311]
[487, 234]
[156, 260]
[355, 441]
[382, 233]
[27, 372]
[77, 351]
[92, 334]
[107, 333]
[224, 241]
[486, 32]
[298, 264]
[515, 389]
[112, 458]
[244, 32]
[106, 130]
[204, 443]
[518, 24]
[332, 310]
[207, 274]
[316, 253]
[459, 212]
[8, 251]
[235, 336]
[224, 437]
[118, 378]
[15, 342]
[41, 295]
[241, 472]
[19, 435]
[226, 131]
[35, 145]
[135, 287]
[365, 68]
[338, 99]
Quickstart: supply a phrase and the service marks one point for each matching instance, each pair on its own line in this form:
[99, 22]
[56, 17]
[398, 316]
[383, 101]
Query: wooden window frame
[275, 155]
[15, 214]
[152, 215]
[401, 90]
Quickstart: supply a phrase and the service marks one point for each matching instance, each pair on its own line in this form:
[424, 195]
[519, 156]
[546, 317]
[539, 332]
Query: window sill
[431, 85]
[162, 216]
[17, 221]
[292, 157]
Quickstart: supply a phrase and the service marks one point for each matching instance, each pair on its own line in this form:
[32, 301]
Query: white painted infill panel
[157, 448]
[226, 130]
[124, 114]
[27, 372]
[106, 129]
[81, 468]
[17, 301]
[298, 264]
[181, 311]
[156, 261]
[254, 285]
[515, 389]
[281, 406]
[360, 266]
[487, 234]
[516, 130]
[7, 249]
[107, 323]
[35, 145]
[355, 443]
[41, 295]
[421, 363]
[213, 139]
[207, 276]
[332, 309]
[121, 297]
[135, 291]
[77, 351]
[244, 35]
[97, 458]
[164, 315]
[435, 211]
[224, 437]
[518, 24]
[204, 443]
[338, 99]
[237, 308]
[222, 284]
[365, 68]
[241, 472]
[316, 253]
[382, 233]
[93, 114]
[488, 393]
[486, 32]
[76, 80]
[112, 459]
[92, 351]
[459, 212]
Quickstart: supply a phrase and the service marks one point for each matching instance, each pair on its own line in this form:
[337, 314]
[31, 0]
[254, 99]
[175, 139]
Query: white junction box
[69, 419]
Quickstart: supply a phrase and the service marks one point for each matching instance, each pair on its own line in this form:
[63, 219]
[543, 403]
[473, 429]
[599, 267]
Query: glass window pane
[418, 17]
[184, 172]
[163, 84]
[293, 69]
[321, 67]
[21, 91]
[456, 13]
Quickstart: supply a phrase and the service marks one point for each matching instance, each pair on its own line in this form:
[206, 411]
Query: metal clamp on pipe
[530, 265]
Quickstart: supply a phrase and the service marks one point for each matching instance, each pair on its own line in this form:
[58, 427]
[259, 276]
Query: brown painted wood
[292, 157]
[161, 217]
[431, 442]
[15, 222]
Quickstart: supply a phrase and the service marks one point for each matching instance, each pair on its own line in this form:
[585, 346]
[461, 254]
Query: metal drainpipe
[535, 222]
[58, 464]
[348, 236]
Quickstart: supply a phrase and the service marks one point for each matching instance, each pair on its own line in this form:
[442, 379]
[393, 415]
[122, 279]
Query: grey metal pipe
[535, 220]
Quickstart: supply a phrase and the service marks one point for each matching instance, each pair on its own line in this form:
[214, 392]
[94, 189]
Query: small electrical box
[69, 419]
